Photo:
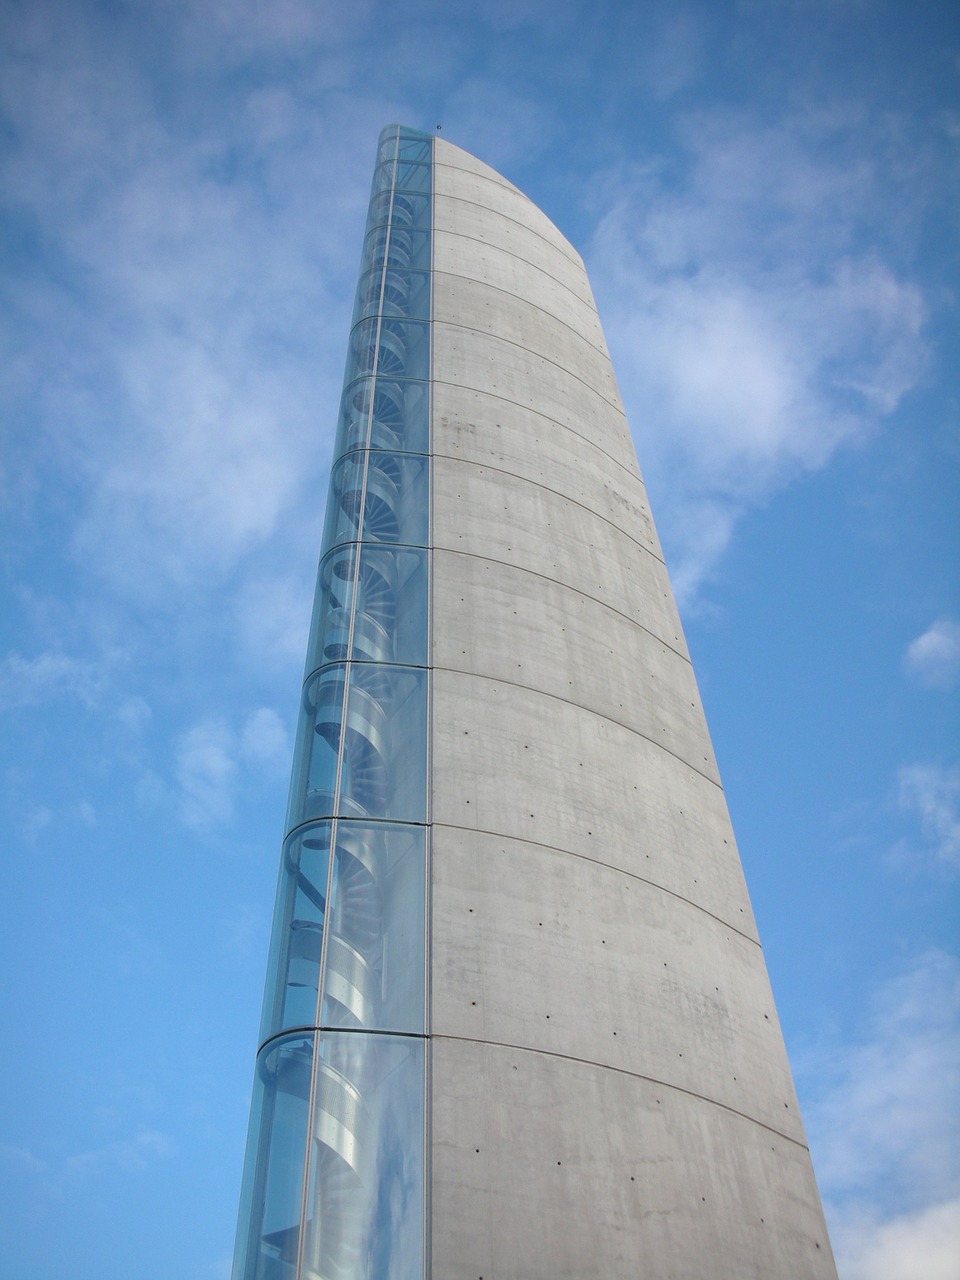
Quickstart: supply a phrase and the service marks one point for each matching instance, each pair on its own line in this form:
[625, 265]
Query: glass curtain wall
[334, 1176]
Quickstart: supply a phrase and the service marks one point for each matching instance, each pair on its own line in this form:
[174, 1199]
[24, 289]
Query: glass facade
[334, 1180]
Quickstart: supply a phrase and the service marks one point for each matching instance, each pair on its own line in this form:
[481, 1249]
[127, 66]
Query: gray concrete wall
[610, 1093]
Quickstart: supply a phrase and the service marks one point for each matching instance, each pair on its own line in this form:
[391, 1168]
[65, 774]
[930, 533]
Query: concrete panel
[478, 306]
[483, 362]
[482, 429]
[517, 763]
[675, 1189]
[494, 194]
[526, 937]
[470, 221]
[610, 1091]
[508, 624]
[447, 153]
[489, 513]
[473, 265]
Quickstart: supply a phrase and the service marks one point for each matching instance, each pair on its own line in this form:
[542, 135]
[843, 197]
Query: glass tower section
[334, 1180]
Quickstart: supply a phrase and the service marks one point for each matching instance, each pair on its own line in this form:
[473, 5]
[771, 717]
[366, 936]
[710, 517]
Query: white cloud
[924, 1245]
[933, 658]
[512, 125]
[206, 773]
[244, 933]
[24, 1159]
[52, 674]
[884, 1122]
[753, 330]
[932, 793]
[130, 1155]
[207, 763]
[263, 740]
[181, 338]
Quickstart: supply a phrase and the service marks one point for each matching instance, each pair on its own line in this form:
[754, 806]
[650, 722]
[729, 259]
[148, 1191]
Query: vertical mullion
[334, 823]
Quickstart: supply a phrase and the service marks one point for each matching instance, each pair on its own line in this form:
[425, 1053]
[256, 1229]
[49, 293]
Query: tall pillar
[518, 1024]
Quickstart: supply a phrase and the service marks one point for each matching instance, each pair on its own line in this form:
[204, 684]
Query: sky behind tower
[765, 195]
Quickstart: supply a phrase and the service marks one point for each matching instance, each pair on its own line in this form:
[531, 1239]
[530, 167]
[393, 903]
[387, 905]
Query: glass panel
[394, 504]
[374, 975]
[390, 619]
[407, 249]
[412, 176]
[405, 294]
[400, 350]
[416, 147]
[368, 292]
[333, 601]
[374, 247]
[362, 354]
[387, 146]
[383, 774]
[392, 604]
[293, 978]
[395, 509]
[268, 1235]
[365, 1197]
[379, 211]
[341, 521]
[318, 742]
[400, 416]
[410, 208]
[404, 349]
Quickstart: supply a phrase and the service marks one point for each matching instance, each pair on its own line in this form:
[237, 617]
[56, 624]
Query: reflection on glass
[401, 293]
[398, 420]
[383, 773]
[383, 736]
[374, 975]
[293, 978]
[268, 1235]
[407, 249]
[391, 496]
[390, 347]
[374, 965]
[365, 1211]
[386, 597]
[334, 1182]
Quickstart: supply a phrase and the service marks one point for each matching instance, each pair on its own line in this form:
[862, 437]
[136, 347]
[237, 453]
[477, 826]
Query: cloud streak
[884, 1126]
[931, 793]
[756, 330]
[933, 658]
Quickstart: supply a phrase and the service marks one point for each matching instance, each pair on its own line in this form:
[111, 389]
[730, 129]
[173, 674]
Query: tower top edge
[448, 153]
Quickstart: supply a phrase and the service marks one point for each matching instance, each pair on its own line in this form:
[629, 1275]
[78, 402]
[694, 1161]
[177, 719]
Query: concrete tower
[517, 1023]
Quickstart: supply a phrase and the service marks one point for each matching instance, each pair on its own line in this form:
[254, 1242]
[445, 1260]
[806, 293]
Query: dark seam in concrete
[634, 1075]
[577, 260]
[489, 466]
[466, 328]
[608, 866]
[566, 586]
[493, 395]
[478, 675]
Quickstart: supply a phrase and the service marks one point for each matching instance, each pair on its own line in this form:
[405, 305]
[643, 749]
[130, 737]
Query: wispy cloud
[206, 771]
[166, 337]
[931, 793]
[924, 1244]
[884, 1125]
[129, 1155]
[209, 759]
[27, 681]
[933, 658]
[756, 327]
[264, 742]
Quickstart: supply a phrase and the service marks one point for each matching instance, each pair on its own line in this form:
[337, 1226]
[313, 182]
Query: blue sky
[765, 195]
